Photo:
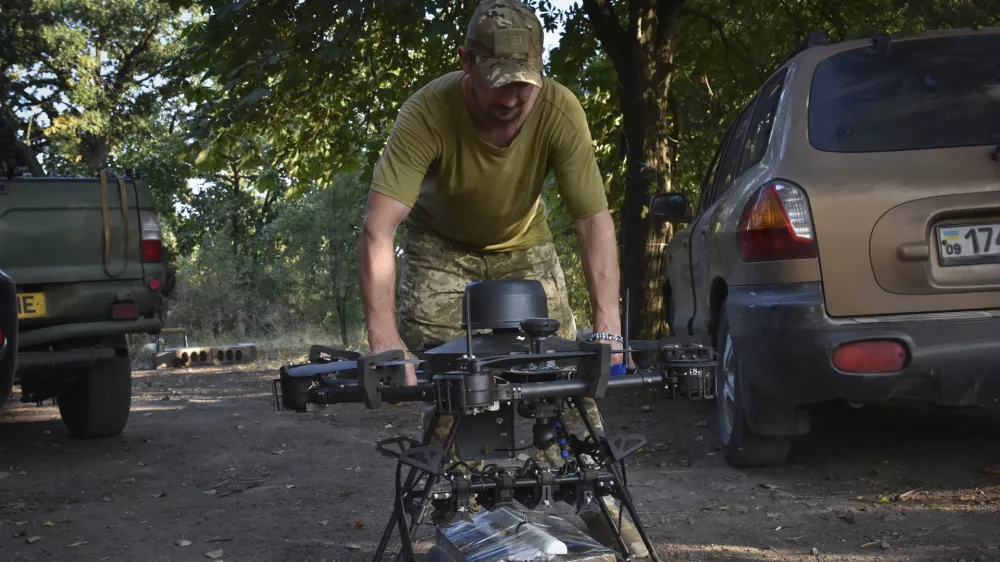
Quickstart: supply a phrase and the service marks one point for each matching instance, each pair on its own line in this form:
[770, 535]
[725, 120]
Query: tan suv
[846, 241]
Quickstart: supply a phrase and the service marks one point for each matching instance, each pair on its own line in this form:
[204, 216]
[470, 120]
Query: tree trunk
[342, 317]
[94, 150]
[642, 55]
[234, 202]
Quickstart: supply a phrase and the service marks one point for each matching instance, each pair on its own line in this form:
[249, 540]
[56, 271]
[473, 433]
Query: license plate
[31, 305]
[969, 244]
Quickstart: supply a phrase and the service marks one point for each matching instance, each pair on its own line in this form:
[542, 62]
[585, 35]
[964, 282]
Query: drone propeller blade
[312, 369]
[398, 362]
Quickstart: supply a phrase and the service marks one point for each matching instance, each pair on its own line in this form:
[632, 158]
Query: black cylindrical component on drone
[479, 390]
[503, 303]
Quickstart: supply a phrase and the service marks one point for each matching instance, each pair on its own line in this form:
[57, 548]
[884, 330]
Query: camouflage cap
[506, 37]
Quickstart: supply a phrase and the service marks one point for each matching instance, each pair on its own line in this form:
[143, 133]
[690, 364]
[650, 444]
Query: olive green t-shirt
[477, 195]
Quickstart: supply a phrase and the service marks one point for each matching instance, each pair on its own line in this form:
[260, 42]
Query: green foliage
[317, 240]
[317, 84]
[298, 270]
[85, 72]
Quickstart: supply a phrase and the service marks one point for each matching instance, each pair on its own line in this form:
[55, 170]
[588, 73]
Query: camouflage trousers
[432, 283]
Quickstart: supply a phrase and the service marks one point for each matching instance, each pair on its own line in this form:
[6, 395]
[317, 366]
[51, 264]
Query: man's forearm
[377, 277]
[599, 254]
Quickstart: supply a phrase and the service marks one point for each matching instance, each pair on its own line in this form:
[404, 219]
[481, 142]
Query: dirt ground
[207, 464]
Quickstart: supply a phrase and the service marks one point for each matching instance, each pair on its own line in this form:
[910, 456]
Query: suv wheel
[97, 403]
[741, 446]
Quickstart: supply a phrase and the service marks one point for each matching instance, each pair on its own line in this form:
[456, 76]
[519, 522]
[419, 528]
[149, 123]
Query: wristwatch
[605, 336]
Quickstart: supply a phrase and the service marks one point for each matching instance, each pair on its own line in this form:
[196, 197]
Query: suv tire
[97, 403]
[742, 447]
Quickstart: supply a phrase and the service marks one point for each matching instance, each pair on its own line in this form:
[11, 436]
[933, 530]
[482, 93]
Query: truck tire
[8, 364]
[741, 446]
[97, 403]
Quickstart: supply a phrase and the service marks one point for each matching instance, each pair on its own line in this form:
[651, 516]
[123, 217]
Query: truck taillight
[776, 225]
[152, 237]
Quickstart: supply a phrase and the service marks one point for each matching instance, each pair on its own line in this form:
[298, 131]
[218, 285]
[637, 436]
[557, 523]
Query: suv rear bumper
[785, 343]
[101, 329]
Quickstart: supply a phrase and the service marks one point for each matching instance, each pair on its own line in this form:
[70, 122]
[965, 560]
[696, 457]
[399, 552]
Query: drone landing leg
[398, 509]
[406, 535]
[626, 497]
[608, 519]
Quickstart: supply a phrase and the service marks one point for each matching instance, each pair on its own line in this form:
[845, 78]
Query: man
[464, 167]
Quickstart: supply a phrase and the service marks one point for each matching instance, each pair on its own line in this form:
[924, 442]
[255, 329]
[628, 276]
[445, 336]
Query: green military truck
[87, 257]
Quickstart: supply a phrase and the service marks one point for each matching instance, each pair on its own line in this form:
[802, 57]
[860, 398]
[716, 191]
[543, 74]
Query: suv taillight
[776, 225]
[152, 238]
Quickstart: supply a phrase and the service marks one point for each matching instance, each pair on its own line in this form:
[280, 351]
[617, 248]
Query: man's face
[502, 105]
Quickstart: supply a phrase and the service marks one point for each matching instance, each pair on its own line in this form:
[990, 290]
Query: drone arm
[643, 379]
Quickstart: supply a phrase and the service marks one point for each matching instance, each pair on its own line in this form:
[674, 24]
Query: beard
[503, 114]
[498, 113]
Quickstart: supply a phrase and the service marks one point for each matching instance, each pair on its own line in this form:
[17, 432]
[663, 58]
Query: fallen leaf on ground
[76, 544]
[214, 554]
[324, 523]
[160, 495]
[183, 542]
[358, 524]
[19, 523]
[32, 540]
[210, 492]
[701, 423]
[647, 409]
[48, 524]
[353, 547]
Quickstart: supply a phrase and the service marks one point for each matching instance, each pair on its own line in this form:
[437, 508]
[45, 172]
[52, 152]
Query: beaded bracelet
[605, 336]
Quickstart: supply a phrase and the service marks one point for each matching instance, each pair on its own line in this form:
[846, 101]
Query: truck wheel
[97, 404]
[742, 447]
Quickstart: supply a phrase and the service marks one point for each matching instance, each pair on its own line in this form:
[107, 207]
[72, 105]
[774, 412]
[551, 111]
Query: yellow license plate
[31, 305]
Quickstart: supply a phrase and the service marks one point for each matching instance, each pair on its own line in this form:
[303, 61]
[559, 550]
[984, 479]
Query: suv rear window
[924, 93]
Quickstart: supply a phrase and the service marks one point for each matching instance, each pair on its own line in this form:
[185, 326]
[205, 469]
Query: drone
[509, 364]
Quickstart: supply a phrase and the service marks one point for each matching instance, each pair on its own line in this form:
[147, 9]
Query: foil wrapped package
[510, 534]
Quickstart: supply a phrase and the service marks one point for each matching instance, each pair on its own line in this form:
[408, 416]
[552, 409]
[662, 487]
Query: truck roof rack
[812, 39]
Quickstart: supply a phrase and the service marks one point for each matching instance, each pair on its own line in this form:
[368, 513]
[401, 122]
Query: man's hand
[599, 254]
[377, 273]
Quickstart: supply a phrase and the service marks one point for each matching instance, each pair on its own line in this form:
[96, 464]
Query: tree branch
[635, 10]
[667, 12]
[607, 27]
[718, 25]
[128, 62]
